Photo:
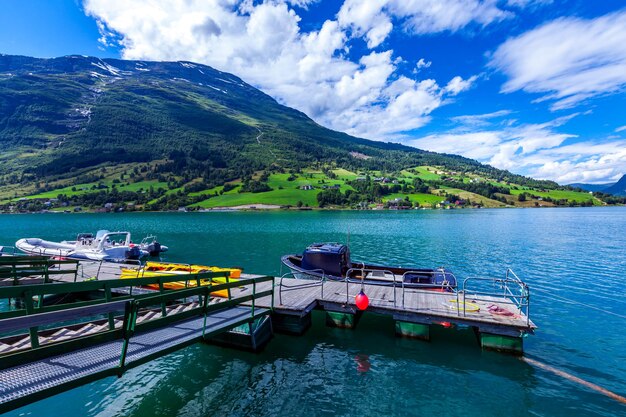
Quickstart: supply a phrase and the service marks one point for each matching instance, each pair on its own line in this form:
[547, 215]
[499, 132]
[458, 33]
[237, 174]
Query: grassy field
[87, 188]
[276, 197]
[561, 194]
[474, 198]
[289, 192]
[422, 199]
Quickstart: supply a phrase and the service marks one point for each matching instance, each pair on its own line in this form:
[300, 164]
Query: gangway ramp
[131, 331]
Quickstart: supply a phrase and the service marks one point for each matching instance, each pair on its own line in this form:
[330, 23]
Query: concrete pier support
[413, 330]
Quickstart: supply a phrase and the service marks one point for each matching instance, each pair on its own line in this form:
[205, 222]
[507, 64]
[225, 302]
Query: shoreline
[272, 207]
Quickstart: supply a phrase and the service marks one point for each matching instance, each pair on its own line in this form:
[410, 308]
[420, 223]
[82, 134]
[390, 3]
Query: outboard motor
[154, 249]
[332, 258]
[133, 252]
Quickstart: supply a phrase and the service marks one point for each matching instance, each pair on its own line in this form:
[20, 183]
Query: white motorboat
[104, 246]
[152, 246]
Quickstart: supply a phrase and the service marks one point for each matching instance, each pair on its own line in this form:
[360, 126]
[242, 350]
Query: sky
[537, 87]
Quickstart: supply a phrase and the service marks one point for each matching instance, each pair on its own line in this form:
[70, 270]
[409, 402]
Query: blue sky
[533, 86]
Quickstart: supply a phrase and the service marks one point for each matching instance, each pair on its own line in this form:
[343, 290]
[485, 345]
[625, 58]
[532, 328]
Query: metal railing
[127, 311]
[32, 316]
[361, 276]
[7, 250]
[364, 272]
[315, 281]
[15, 270]
[509, 290]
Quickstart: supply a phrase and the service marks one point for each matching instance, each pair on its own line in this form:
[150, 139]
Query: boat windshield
[101, 234]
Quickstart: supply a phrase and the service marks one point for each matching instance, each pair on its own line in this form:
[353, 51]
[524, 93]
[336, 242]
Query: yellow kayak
[156, 269]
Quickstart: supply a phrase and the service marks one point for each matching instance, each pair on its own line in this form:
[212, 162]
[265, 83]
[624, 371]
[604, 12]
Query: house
[306, 187]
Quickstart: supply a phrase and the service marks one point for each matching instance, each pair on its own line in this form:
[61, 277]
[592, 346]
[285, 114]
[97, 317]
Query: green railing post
[228, 289]
[198, 285]
[163, 309]
[32, 331]
[205, 306]
[46, 276]
[107, 298]
[253, 296]
[130, 317]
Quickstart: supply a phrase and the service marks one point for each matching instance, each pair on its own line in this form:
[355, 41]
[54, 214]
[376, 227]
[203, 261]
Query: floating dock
[496, 308]
[136, 324]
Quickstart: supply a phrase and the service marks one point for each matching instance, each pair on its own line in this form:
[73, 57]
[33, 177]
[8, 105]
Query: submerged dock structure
[48, 345]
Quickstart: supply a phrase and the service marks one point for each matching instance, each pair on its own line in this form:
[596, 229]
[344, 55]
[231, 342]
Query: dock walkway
[500, 315]
[61, 372]
[47, 348]
[298, 298]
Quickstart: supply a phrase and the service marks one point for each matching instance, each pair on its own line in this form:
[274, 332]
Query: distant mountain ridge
[169, 134]
[615, 188]
[619, 188]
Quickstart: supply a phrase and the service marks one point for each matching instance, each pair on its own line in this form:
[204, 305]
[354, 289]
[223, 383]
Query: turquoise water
[577, 253]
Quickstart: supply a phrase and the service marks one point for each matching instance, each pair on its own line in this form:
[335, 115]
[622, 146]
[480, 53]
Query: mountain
[591, 187]
[619, 188]
[167, 133]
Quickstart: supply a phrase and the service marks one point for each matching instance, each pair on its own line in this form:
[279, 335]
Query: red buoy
[361, 301]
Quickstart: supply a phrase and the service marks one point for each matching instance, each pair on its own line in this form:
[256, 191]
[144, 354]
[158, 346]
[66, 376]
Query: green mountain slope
[76, 126]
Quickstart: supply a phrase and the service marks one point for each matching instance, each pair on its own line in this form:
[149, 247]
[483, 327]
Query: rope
[575, 379]
[582, 304]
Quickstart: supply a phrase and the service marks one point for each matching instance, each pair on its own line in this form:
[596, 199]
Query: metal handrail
[363, 271]
[444, 284]
[314, 283]
[3, 252]
[520, 298]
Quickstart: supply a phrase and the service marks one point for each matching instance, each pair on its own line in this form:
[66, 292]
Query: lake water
[577, 253]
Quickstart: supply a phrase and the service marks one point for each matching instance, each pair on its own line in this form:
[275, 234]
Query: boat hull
[41, 247]
[429, 279]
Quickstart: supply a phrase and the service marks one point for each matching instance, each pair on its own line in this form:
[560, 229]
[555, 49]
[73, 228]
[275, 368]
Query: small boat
[156, 269]
[148, 244]
[332, 261]
[152, 246]
[104, 246]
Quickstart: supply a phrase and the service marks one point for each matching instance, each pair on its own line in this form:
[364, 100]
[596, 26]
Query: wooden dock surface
[299, 297]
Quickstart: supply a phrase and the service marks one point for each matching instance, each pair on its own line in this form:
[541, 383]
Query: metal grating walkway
[54, 372]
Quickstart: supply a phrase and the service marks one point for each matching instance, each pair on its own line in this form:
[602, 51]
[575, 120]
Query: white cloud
[475, 120]
[522, 4]
[373, 18]
[264, 44]
[458, 85]
[567, 60]
[620, 129]
[423, 64]
[537, 150]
